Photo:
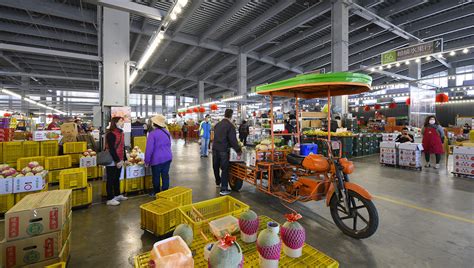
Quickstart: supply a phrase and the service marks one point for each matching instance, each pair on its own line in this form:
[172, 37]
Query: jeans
[243, 139]
[113, 181]
[204, 146]
[438, 158]
[161, 171]
[220, 161]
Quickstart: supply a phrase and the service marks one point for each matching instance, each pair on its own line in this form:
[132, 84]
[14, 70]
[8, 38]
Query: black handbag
[104, 158]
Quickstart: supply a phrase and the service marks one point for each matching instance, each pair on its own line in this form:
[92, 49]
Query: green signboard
[415, 51]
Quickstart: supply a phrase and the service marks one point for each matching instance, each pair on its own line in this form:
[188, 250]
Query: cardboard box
[135, 171]
[6, 186]
[389, 144]
[390, 137]
[33, 250]
[69, 129]
[88, 161]
[410, 146]
[63, 256]
[305, 123]
[463, 150]
[37, 214]
[316, 123]
[28, 184]
[47, 135]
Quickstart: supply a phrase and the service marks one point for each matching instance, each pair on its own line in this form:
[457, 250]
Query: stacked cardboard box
[409, 154]
[389, 137]
[388, 153]
[37, 230]
[463, 160]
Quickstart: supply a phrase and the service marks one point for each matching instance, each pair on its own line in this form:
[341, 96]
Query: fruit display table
[311, 257]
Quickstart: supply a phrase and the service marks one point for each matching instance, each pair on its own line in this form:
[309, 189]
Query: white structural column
[200, 92]
[163, 104]
[116, 44]
[340, 46]
[242, 82]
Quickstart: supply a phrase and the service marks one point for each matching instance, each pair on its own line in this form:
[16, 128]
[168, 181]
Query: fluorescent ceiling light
[11, 93]
[417, 60]
[407, 62]
[30, 100]
[397, 64]
[428, 58]
[465, 51]
[452, 53]
[133, 76]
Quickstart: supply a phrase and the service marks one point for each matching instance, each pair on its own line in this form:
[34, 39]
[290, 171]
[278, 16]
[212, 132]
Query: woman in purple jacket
[158, 153]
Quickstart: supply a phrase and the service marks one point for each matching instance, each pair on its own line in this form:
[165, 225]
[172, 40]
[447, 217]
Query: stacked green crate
[372, 144]
[347, 146]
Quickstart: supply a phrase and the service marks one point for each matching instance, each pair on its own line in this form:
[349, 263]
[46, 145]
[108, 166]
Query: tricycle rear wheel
[235, 183]
[361, 221]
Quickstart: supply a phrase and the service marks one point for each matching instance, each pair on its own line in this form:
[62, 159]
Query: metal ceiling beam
[53, 9]
[201, 61]
[53, 63]
[55, 44]
[47, 22]
[50, 34]
[378, 20]
[22, 74]
[400, 6]
[270, 13]
[267, 78]
[139, 36]
[259, 70]
[50, 52]
[131, 7]
[10, 61]
[221, 64]
[182, 57]
[229, 13]
[301, 18]
[61, 69]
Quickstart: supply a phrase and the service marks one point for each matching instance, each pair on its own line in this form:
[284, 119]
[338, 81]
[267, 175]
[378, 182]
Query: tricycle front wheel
[235, 183]
[361, 221]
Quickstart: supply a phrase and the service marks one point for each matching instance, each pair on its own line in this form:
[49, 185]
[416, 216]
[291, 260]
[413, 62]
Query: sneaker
[152, 194]
[224, 192]
[437, 166]
[121, 198]
[427, 165]
[113, 202]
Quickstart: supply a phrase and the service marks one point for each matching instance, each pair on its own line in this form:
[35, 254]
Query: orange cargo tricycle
[291, 177]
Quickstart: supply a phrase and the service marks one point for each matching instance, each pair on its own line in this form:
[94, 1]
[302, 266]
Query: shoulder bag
[104, 158]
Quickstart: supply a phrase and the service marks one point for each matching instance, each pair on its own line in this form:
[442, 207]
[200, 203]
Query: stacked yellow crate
[42, 223]
[11, 151]
[76, 179]
[49, 148]
[54, 165]
[75, 150]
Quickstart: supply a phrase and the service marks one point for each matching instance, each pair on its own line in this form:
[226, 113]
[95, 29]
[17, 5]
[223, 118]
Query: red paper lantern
[7, 114]
[441, 98]
[408, 101]
[214, 107]
[392, 105]
[367, 108]
[196, 109]
[377, 106]
[202, 109]
[189, 111]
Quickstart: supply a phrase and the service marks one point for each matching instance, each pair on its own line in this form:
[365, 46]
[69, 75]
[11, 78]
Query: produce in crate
[269, 246]
[89, 153]
[33, 164]
[293, 236]
[226, 253]
[248, 223]
[185, 232]
[134, 157]
[9, 173]
[4, 167]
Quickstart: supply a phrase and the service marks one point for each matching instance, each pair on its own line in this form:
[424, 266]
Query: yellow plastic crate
[57, 265]
[134, 185]
[6, 202]
[74, 147]
[1, 152]
[23, 161]
[92, 172]
[178, 194]
[104, 187]
[311, 257]
[31, 148]
[140, 142]
[20, 196]
[75, 159]
[49, 148]
[53, 176]
[100, 171]
[82, 197]
[198, 215]
[148, 182]
[160, 216]
[73, 178]
[57, 162]
[12, 150]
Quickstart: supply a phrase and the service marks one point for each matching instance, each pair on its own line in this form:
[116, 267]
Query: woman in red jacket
[114, 143]
[433, 138]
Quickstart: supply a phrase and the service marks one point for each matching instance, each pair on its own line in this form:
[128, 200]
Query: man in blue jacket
[205, 135]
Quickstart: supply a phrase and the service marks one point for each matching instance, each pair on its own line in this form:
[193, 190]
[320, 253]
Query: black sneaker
[225, 192]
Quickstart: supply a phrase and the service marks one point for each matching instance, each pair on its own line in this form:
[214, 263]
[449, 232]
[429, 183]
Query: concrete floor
[426, 218]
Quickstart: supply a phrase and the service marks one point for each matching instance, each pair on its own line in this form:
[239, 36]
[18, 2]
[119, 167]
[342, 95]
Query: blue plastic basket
[307, 148]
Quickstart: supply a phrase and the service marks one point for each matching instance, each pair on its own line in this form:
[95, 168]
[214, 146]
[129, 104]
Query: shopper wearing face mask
[433, 137]
[114, 143]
